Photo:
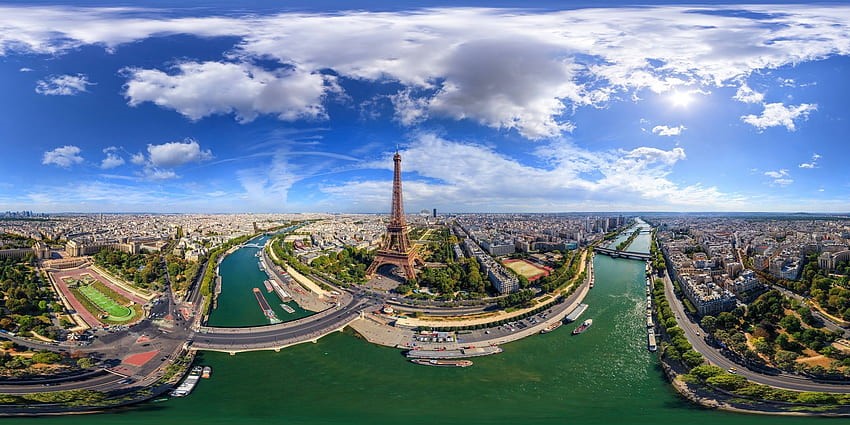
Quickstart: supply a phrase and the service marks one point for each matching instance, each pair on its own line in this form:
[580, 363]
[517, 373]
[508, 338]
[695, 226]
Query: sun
[681, 99]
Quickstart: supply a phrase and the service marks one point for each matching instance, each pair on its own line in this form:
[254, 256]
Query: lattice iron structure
[395, 247]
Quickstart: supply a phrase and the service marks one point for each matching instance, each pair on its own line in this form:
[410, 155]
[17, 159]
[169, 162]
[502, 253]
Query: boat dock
[459, 353]
[287, 308]
[574, 315]
[279, 291]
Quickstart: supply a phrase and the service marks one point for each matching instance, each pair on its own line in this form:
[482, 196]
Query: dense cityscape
[424, 212]
[768, 292]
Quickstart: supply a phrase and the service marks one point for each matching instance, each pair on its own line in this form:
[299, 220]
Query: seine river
[603, 376]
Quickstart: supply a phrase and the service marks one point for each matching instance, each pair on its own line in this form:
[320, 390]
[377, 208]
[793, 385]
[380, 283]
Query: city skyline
[172, 110]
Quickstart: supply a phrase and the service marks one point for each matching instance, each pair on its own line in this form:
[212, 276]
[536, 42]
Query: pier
[575, 313]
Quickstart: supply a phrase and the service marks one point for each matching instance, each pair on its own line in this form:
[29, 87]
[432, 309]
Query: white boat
[188, 384]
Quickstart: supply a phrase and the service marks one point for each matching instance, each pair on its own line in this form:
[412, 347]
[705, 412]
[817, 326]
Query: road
[829, 324]
[101, 380]
[259, 337]
[782, 380]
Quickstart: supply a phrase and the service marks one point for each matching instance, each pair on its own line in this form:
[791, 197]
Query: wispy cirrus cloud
[62, 85]
[470, 177]
[811, 164]
[779, 177]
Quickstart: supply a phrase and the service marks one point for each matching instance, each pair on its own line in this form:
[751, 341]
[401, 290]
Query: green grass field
[115, 311]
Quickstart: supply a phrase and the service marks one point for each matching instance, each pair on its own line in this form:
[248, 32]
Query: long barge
[264, 305]
[459, 353]
[443, 363]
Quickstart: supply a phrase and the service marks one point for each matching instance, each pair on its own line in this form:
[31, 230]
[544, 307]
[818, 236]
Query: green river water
[603, 376]
[237, 305]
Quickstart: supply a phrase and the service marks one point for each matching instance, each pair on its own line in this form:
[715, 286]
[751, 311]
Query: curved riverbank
[715, 398]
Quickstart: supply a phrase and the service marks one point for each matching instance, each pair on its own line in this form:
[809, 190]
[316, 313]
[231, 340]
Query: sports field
[525, 268]
[115, 311]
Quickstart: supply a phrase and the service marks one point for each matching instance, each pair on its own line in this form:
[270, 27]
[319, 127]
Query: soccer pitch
[114, 310]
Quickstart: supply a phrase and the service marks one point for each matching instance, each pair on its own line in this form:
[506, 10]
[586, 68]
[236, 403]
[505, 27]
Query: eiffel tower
[395, 247]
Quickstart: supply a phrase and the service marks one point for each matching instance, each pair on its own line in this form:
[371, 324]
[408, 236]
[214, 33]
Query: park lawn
[106, 304]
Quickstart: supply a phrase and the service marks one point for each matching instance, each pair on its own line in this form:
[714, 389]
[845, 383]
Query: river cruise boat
[443, 363]
[583, 327]
[188, 384]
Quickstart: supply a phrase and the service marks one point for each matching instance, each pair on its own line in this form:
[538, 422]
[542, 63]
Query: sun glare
[681, 99]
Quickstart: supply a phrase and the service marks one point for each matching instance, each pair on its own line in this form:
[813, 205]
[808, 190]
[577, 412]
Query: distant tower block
[395, 247]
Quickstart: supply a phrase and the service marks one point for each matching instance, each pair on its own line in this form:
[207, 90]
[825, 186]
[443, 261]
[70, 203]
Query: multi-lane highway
[781, 380]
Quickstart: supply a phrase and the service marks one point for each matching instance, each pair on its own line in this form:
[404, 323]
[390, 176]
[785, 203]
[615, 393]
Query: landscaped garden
[103, 302]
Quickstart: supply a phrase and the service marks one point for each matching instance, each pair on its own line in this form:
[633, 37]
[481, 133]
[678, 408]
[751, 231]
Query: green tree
[790, 323]
[85, 362]
[47, 357]
[709, 323]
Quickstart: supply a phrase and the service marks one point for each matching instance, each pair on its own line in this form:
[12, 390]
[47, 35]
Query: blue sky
[244, 107]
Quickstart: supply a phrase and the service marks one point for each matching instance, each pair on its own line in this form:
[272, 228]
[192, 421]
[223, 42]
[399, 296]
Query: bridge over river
[622, 254]
[276, 337]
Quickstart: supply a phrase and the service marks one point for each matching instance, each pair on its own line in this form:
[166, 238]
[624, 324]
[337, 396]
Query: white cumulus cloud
[663, 130]
[64, 156]
[62, 85]
[747, 95]
[138, 158]
[523, 70]
[162, 159]
[777, 114]
[112, 159]
[175, 154]
[200, 89]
